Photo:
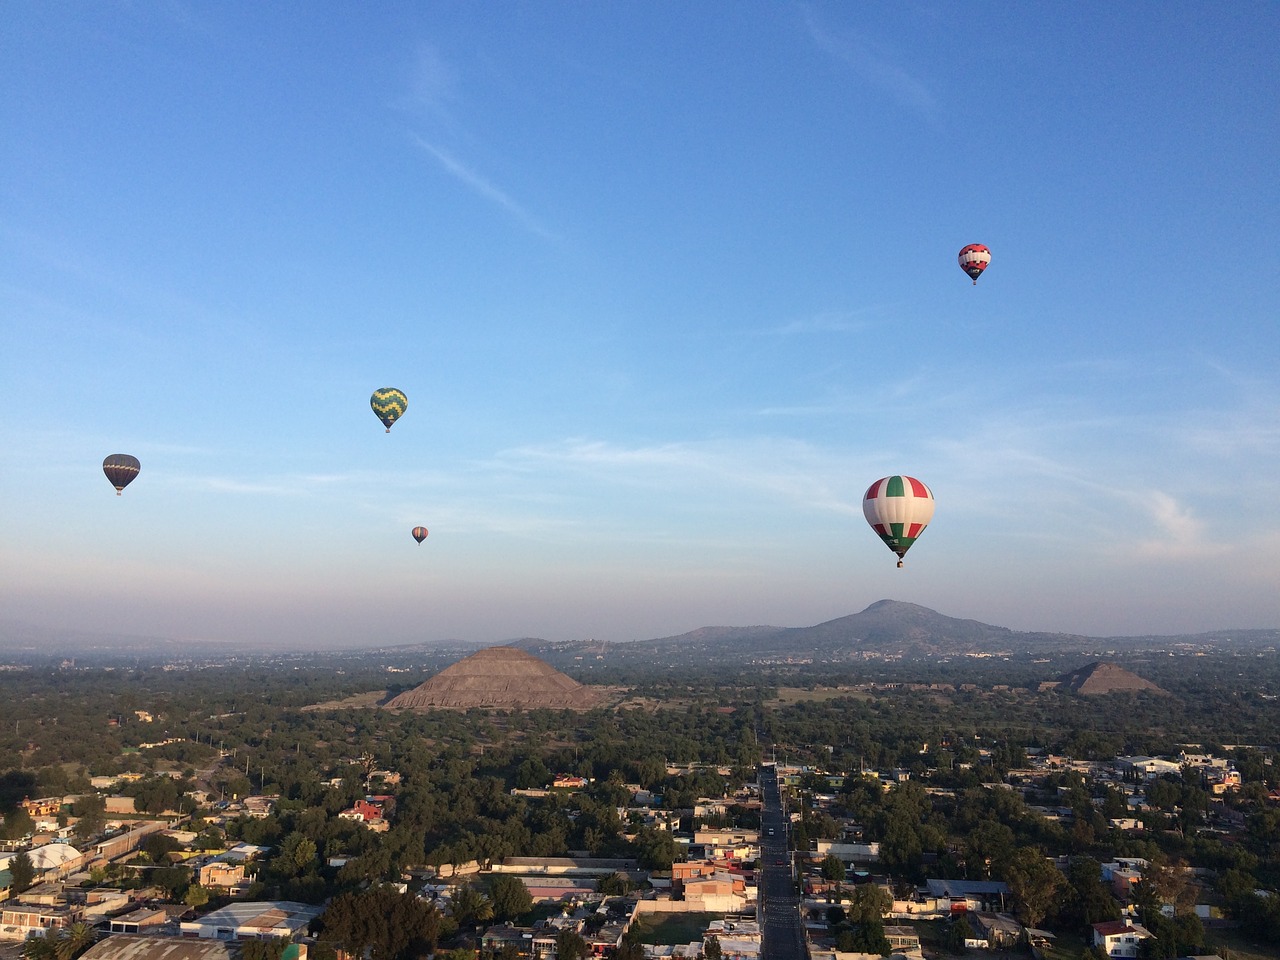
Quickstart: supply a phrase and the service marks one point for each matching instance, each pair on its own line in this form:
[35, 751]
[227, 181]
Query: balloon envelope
[120, 469]
[389, 404]
[898, 509]
[419, 533]
[974, 259]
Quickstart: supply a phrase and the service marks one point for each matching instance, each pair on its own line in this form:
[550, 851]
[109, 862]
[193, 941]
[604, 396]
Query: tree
[22, 871]
[158, 846]
[382, 923]
[711, 949]
[74, 940]
[210, 839]
[91, 814]
[957, 933]
[1087, 900]
[196, 896]
[272, 949]
[510, 897]
[988, 843]
[1164, 793]
[1034, 883]
[832, 868]
[631, 948]
[657, 849]
[17, 824]
[615, 885]
[869, 903]
[470, 906]
[297, 854]
[172, 880]
[869, 938]
[532, 773]
[571, 946]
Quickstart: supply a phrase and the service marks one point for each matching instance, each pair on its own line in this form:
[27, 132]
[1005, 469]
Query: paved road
[780, 906]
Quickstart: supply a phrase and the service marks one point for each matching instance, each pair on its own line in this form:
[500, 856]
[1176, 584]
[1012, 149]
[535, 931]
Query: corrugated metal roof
[128, 947]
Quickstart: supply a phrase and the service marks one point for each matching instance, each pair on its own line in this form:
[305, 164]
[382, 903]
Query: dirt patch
[361, 701]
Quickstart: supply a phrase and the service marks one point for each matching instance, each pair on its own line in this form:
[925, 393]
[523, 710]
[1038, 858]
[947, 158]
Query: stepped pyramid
[499, 677]
[1102, 677]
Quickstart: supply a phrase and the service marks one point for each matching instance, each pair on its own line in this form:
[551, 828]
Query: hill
[1100, 678]
[498, 677]
[897, 629]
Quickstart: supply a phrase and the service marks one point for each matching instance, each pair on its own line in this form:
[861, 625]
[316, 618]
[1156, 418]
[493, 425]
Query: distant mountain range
[891, 628]
[887, 628]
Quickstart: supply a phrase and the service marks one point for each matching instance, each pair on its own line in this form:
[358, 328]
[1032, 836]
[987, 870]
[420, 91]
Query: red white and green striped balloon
[974, 258]
[898, 509]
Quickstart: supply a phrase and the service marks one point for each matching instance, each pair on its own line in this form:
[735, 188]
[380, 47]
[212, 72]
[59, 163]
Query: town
[707, 826]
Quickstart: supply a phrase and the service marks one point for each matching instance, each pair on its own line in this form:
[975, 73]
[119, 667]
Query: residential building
[966, 895]
[226, 876]
[21, 920]
[141, 920]
[1000, 930]
[45, 807]
[902, 939]
[259, 807]
[506, 935]
[1119, 938]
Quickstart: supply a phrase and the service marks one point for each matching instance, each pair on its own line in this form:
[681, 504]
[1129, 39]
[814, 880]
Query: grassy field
[1234, 945]
[792, 695]
[672, 928]
[1066, 947]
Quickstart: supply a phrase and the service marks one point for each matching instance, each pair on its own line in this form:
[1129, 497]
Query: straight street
[780, 923]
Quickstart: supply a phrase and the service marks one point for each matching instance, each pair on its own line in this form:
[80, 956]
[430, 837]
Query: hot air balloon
[974, 259]
[898, 509]
[419, 533]
[389, 404]
[120, 469]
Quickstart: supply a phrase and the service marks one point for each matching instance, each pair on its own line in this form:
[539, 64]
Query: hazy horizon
[30, 633]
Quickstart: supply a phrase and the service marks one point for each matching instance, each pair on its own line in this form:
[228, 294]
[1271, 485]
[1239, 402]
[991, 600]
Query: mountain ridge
[884, 628]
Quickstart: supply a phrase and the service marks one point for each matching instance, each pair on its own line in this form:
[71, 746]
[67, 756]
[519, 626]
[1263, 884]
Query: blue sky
[667, 286]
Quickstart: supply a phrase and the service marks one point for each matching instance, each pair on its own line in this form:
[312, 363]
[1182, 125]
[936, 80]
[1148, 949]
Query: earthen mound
[1101, 677]
[498, 678]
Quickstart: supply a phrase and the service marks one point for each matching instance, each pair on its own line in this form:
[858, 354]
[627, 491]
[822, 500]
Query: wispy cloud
[786, 469]
[1180, 535]
[433, 81]
[874, 63]
[456, 168]
[823, 322]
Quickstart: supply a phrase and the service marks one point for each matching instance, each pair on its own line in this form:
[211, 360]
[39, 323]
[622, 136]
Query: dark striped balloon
[389, 405]
[120, 469]
[419, 533]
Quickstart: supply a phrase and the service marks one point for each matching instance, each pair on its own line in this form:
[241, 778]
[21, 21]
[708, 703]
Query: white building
[1120, 938]
[253, 921]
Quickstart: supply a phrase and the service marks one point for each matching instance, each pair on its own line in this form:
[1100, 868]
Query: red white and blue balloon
[974, 259]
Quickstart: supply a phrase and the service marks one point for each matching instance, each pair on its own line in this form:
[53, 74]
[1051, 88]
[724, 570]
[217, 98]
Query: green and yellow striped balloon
[389, 404]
